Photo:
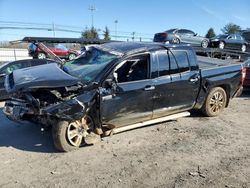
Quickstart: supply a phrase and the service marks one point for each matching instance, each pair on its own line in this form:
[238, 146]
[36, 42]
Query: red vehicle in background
[246, 83]
[58, 49]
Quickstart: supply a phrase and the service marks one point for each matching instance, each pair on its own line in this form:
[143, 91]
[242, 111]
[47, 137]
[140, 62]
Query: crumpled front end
[43, 106]
[15, 109]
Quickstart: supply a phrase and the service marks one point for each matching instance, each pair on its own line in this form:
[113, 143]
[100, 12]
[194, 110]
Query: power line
[13, 23]
[4, 25]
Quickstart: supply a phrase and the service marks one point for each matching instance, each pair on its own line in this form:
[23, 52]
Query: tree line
[93, 33]
[229, 28]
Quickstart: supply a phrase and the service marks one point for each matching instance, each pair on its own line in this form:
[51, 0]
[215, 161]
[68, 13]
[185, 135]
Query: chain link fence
[13, 54]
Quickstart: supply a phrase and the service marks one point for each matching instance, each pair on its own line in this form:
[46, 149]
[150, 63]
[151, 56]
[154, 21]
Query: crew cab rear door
[176, 85]
[131, 99]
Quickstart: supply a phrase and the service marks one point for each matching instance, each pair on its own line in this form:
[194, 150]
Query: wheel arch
[206, 90]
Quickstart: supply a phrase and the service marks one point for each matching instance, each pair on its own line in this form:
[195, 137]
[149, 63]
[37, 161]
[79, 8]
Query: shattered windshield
[89, 65]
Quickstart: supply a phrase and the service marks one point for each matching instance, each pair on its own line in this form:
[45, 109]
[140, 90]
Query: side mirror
[108, 83]
[2, 75]
[195, 34]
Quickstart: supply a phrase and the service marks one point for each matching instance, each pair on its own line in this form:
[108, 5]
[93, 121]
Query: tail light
[164, 35]
[244, 71]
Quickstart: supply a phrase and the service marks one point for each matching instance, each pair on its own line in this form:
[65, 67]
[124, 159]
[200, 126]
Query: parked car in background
[58, 49]
[246, 83]
[229, 41]
[7, 68]
[120, 86]
[246, 35]
[177, 36]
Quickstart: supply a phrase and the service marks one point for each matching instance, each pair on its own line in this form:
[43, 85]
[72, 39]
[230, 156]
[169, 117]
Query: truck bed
[207, 62]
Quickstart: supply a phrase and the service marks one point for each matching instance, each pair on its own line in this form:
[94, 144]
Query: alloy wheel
[221, 45]
[216, 102]
[78, 130]
[72, 56]
[41, 56]
[204, 44]
[243, 48]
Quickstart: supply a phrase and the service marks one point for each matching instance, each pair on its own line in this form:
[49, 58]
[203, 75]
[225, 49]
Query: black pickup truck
[119, 86]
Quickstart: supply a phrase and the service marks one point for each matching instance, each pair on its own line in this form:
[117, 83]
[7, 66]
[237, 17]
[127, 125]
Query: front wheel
[70, 136]
[221, 45]
[243, 48]
[215, 102]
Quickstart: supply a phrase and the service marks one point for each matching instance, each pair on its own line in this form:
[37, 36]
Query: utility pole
[133, 36]
[53, 29]
[92, 9]
[116, 22]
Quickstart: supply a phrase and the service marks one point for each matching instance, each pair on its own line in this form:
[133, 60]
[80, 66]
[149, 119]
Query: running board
[153, 121]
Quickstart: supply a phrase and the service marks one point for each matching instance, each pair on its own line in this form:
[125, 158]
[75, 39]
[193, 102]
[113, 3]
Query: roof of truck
[133, 47]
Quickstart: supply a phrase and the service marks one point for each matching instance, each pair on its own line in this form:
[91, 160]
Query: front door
[131, 101]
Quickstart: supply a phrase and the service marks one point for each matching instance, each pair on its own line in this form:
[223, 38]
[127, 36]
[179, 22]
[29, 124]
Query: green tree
[90, 33]
[231, 28]
[210, 33]
[106, 33]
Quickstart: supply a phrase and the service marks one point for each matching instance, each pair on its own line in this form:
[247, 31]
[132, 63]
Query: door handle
[149, 88]
[194, 80]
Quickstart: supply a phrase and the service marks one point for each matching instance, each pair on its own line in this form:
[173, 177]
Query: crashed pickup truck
[119, 86]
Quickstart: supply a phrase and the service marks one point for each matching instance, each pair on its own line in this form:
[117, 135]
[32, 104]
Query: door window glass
[134, 69]
[238, 37]
[182, 60]
[232, 37]
[163, 63]
[9, 69]
[173, 64]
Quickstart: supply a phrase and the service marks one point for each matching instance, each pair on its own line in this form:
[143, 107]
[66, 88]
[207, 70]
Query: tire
[176, 41]
[59, 133]
[72, 56]
[215, 102]
[204, 44]
[243, 48]
[69, 136]
[221, 45]
[41, 55]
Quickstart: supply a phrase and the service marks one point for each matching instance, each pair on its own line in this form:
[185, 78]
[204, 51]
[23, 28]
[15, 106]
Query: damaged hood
[43, 76]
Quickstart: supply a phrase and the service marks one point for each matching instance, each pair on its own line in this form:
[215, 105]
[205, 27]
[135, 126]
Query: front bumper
[15, 109]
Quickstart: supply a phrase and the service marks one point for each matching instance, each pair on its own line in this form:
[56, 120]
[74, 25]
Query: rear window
[171, 31]
[160, 37]
[246, 35]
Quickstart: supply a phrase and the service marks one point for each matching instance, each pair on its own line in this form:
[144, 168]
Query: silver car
[181, 36]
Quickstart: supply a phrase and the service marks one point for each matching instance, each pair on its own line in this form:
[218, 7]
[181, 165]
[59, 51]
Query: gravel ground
[190, 152]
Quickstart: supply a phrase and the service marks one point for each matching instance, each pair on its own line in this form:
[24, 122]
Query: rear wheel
[215, 102]
[204, 44]
[176, 41]
[72, 56]
[70, 136]
[221, 45]
[41, 55]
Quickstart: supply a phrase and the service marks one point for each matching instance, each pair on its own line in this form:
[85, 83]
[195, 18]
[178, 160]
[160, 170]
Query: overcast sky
[140, 16]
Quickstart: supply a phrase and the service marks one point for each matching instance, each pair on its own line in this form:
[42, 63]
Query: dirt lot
[190, 152]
